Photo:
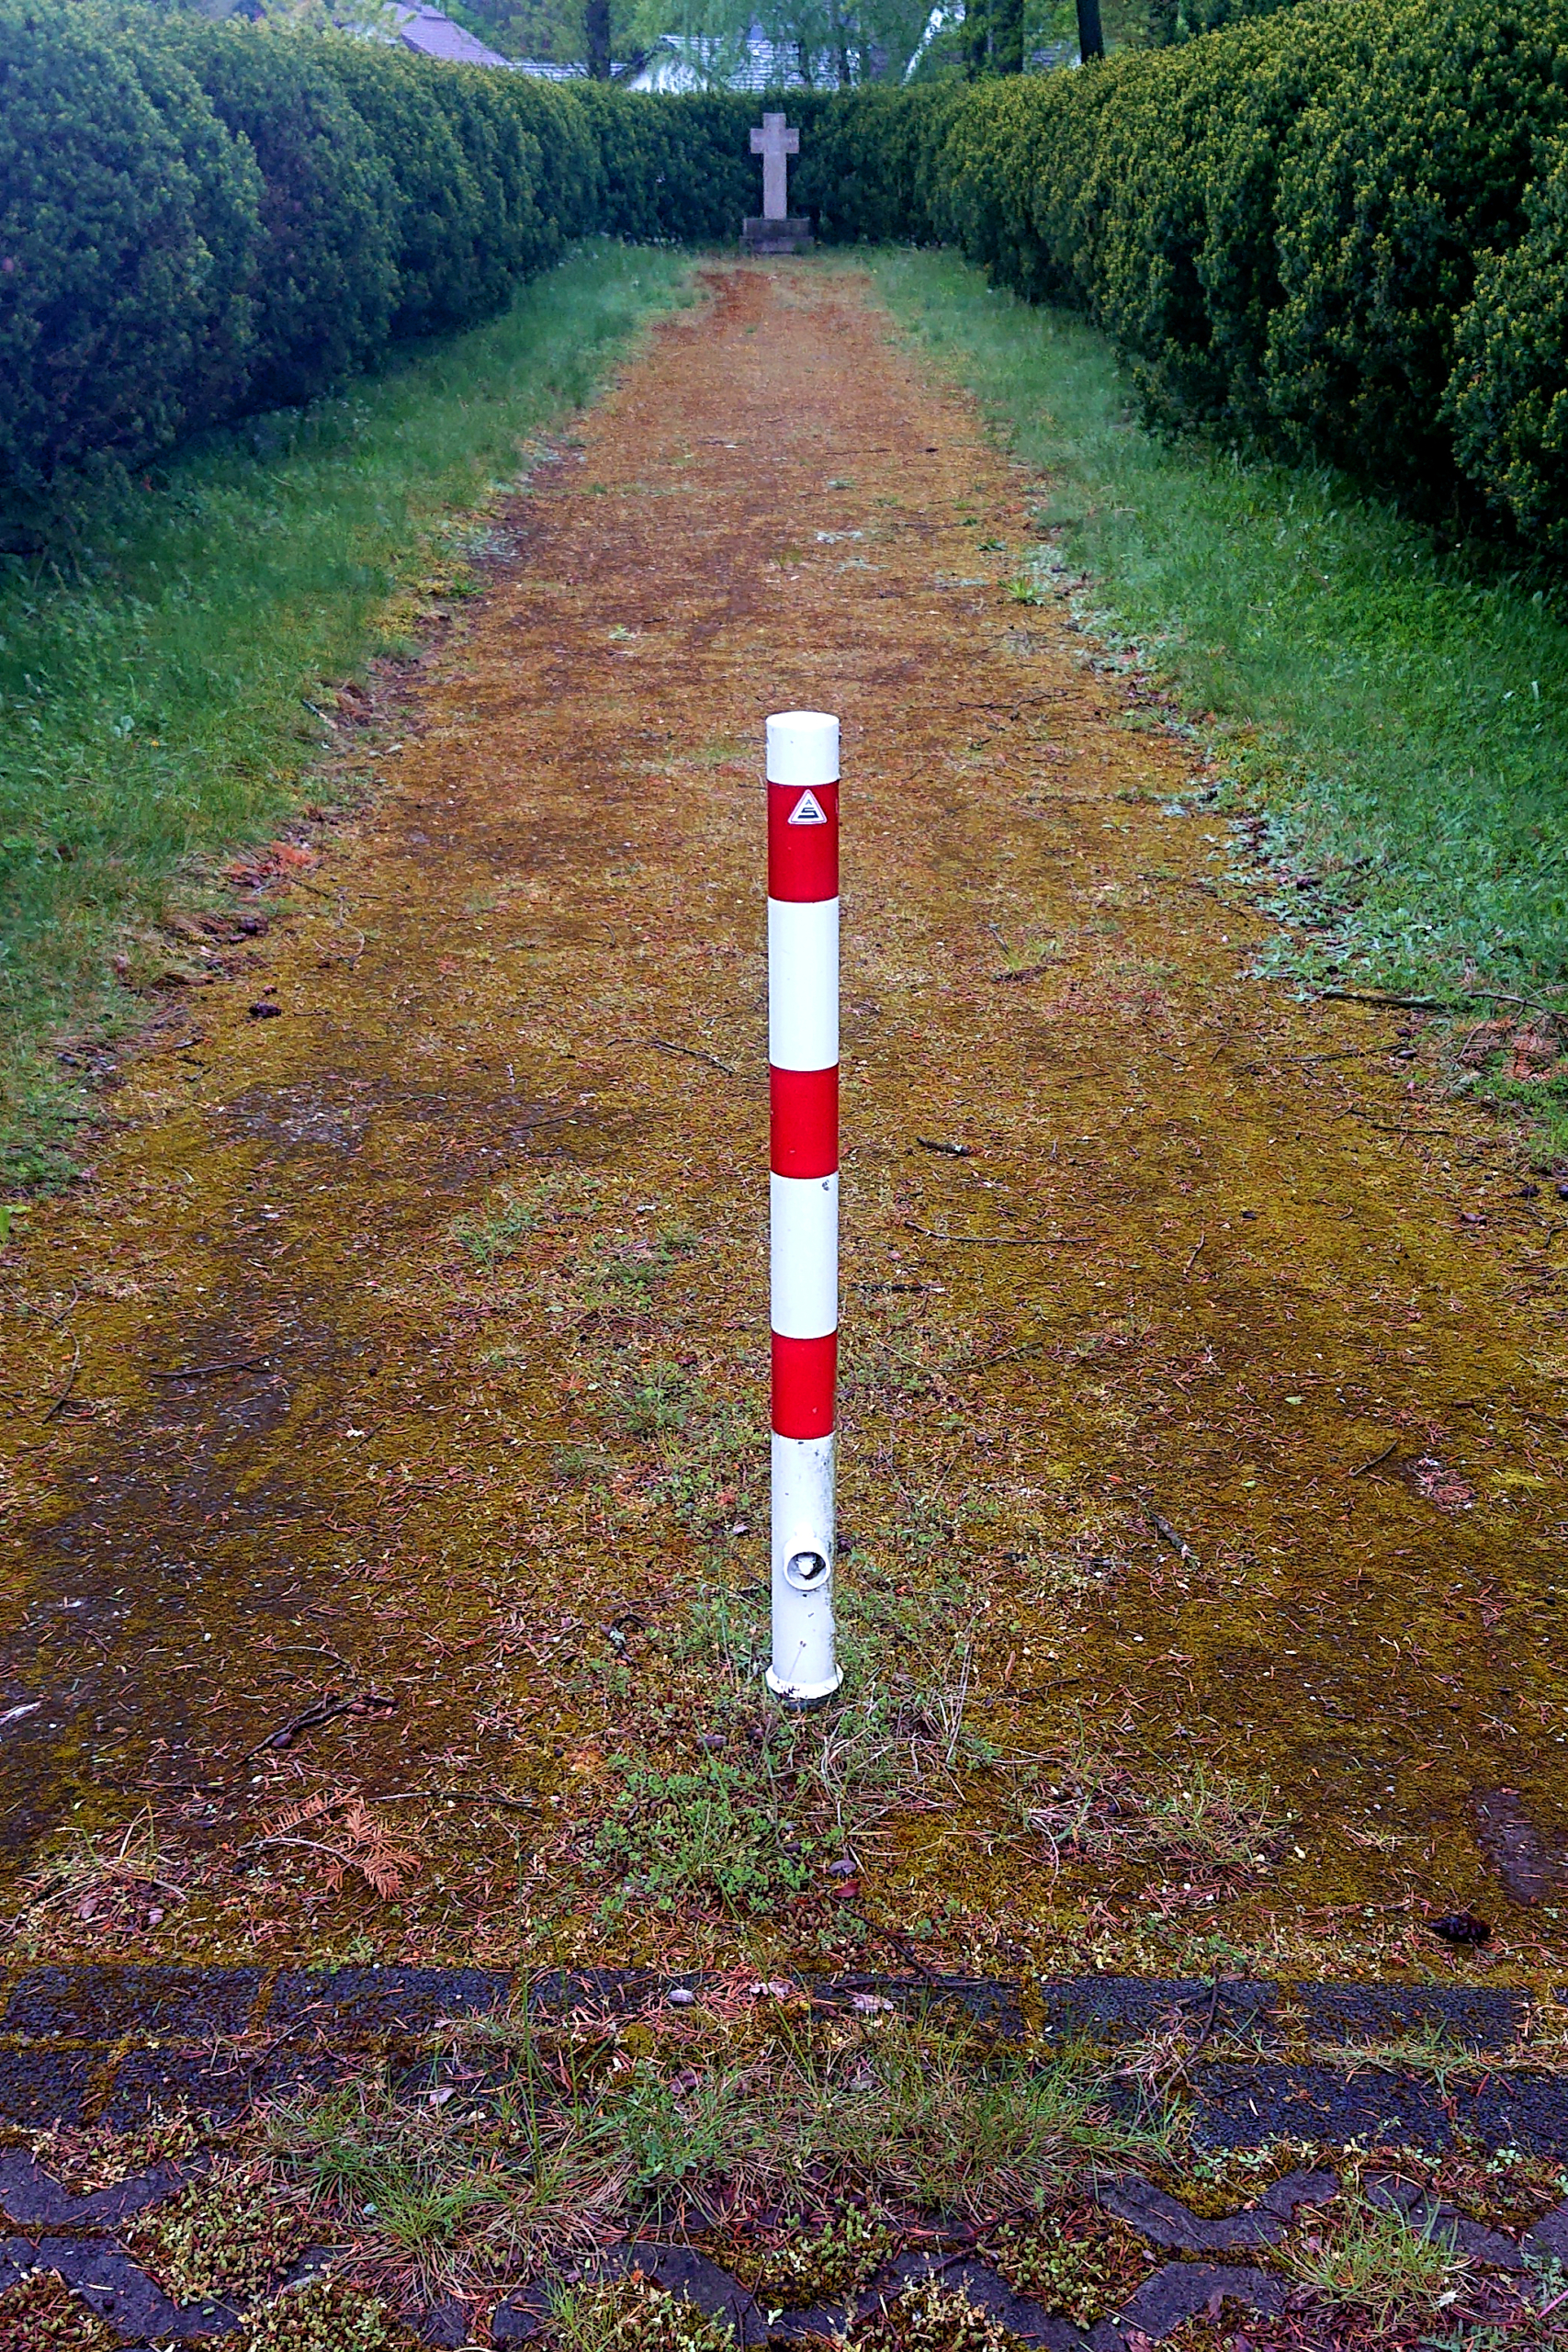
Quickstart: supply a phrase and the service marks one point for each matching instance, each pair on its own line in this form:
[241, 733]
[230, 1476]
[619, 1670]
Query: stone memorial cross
[776, 231]
[773, 142]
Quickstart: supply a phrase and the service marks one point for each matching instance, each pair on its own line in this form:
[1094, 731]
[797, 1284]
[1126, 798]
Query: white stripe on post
[803, 983]
[805, 1255]
[803, 1050]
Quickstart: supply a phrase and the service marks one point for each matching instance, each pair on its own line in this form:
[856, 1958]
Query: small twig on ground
[693, 1053]
[1397, 1004]
[1179, 1544]
[1445, 1004]
[954, 1151]
[1361, 1469]
[211, 1371]
[901, 1943]
[311, 1718]
[1002, 1241]
[1192, 1259]
[1454, 1135]
[461, 1796]
[69, 1384]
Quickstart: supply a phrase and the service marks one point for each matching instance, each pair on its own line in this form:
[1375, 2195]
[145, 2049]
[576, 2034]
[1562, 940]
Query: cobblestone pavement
[83, 2044]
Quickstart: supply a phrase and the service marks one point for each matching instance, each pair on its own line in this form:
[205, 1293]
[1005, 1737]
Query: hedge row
[1340, 230]
[197, 220]
[1340, 227]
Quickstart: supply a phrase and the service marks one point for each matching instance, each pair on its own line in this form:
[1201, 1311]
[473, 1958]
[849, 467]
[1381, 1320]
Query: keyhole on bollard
[806, 1571]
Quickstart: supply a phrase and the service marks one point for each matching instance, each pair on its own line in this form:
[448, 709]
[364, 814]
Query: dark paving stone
[368, 2001]
[1548, 2240]
[16, 2258]
[1479, 2018]
[445, 2324]
[93, 2003]
[29, 2198]
[600, 1992]
[982, 2000]
[1168, 2223]
[1528, 2112]
[110, 2284]
[519, 2321]
[1120, 2007]
[683, 2272]
[221, 2089]
[1241, 2107]
[1182, 2291]
[45, 2086]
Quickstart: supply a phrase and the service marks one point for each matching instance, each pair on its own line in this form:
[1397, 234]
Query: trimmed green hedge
[1340, 230]
[1509, 394]
[1340, 227]
[128, 232]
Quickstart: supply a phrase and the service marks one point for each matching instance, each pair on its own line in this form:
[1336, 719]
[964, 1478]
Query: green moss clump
[815, 2266]
[631, 2315]
[40, 2313]
[1082, 2265]
[225, 2235]
[321, 2316]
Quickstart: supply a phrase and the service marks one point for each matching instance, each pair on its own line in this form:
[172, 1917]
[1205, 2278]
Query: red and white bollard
[803, 1054]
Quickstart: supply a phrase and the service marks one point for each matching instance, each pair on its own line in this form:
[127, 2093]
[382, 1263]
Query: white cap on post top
[803, 748]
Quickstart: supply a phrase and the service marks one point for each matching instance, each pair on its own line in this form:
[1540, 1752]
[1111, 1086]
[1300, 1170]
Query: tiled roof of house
[425, 29]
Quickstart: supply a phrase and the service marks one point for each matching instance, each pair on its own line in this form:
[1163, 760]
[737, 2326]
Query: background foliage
[1338, 230]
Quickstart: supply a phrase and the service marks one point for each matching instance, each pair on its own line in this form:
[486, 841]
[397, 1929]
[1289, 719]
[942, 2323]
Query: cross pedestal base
[788, 236]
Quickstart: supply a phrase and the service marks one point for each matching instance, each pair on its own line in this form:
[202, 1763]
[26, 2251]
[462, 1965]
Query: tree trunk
[1092, 41]
[596, 26]
[1006, 35]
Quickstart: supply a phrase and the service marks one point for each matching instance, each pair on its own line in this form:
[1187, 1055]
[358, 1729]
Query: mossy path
[401, 1360]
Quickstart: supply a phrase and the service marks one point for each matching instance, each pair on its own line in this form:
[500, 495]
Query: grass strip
[156, 686]
[1399, 711]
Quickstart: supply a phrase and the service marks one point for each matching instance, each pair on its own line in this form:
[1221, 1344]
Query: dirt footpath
[401, 1365]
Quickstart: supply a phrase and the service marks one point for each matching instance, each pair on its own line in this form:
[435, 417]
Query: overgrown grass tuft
[577, 2139]
[157, 682]
[1400, 711]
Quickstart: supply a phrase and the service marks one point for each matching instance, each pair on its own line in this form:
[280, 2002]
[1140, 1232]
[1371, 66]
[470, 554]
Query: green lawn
[1402, 715]
[154, 688]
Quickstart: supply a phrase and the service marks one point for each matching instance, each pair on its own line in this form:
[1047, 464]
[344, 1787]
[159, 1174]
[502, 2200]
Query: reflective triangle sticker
[807, 811]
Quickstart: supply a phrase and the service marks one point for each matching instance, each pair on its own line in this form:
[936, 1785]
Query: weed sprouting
[393, 2171]
[1429, 2050]
[83, 2157]
[1211, 1824]
[631, 2316]
[590, 2135]
[708, 1833]
[503, 1229]
[114, 1888]
[1381, 2264]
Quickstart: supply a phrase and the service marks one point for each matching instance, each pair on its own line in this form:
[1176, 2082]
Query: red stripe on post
[803, 846]
[805, 1375]
[804, 1122]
